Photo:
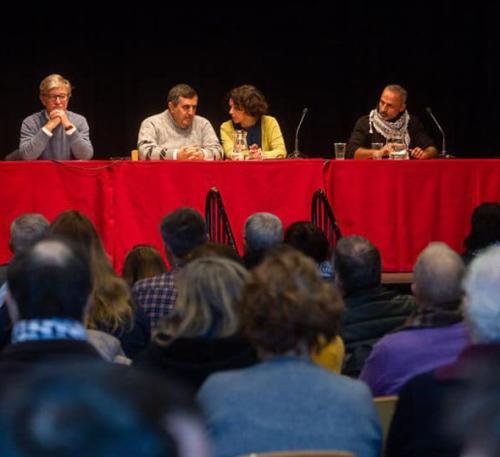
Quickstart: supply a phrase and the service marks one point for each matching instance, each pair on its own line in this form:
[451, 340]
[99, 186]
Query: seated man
[389, 121]
[54, 133]
[178, 133]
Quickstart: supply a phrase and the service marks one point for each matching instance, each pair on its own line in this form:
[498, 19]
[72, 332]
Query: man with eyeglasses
[55, 133]
[179, 133]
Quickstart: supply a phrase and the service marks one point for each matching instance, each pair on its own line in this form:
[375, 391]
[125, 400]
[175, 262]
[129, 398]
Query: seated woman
[248, 108]
[111, 310]
[203, 336]
[287, 402]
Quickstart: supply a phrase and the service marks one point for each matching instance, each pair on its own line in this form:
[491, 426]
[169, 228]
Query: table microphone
[296, 153]
[443, 154]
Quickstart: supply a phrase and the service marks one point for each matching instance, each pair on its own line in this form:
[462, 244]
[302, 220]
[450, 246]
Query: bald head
[437, 277]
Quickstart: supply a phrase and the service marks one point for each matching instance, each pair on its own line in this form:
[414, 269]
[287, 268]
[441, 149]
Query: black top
[362, 138]
[191, 360]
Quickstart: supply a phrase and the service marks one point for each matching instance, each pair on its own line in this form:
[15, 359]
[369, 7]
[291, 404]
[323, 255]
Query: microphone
[443, 153]
[296, 152]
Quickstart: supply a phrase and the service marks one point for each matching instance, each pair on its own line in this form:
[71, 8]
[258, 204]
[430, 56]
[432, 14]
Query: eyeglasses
[54, 97]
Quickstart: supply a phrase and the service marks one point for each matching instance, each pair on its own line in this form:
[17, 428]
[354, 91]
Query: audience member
[388, 121]
[433, 336]
[178, 133]
[262, 232]
[310, 240]
[372, 310]
[203, 336]
[111, 310]
[210, 249]
[182, 230]
[99, 410]
[25, 231]
[248, 109]
[287, 402]
[484, 229]
[142, 261]
[49, 289]
[419, 426]
[55, 133]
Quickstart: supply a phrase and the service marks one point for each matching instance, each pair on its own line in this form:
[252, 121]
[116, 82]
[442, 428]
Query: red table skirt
[400, 205]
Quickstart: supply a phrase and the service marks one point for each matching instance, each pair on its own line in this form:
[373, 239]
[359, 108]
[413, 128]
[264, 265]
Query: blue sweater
[289, 403]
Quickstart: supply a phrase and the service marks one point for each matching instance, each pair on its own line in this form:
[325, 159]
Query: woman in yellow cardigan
[248, 108]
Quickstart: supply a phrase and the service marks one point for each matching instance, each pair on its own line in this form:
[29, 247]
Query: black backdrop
[332, 57]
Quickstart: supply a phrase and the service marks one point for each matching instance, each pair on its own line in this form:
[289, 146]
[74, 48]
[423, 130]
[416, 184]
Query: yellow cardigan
[273, 145]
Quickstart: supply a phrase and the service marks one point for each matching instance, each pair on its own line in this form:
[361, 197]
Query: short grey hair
[54, 81]
[438, 275]
[26, 230]
[180, 90]
[263, 231]
[403, 93]
[482, 296]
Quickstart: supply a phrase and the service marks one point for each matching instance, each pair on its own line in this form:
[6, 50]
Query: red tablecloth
[399, 205]
[126, 200]
[403, 205]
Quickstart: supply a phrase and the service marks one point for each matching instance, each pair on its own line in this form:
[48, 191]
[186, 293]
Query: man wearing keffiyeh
[389, 121]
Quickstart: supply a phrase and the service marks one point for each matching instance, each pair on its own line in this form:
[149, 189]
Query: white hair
[482, 301]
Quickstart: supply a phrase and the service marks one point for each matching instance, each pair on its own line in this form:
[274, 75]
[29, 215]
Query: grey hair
[399, 90]
[26, 230]
[482, 296]
[438, 275]
[180, 90]
[209, 292]
[263, 231]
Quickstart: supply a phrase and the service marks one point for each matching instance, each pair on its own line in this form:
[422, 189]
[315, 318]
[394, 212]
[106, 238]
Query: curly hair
[249, 99]
[286, 303]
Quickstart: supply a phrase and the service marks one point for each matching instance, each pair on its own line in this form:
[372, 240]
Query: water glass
[340, 151]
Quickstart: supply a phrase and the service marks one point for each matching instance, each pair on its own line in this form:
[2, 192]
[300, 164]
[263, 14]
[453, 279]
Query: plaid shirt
[156, 296]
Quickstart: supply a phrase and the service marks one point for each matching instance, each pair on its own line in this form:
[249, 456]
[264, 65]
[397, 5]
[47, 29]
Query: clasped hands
[56, 117]
[416, 153]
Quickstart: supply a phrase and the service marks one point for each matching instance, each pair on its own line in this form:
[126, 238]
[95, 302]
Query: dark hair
[357, 263]
[180, 90]
[308, 239]
[51, 279]
[95, 409]
[286, 302]
[142, 261]
[484, 228]
[249, 99]
[182, 230]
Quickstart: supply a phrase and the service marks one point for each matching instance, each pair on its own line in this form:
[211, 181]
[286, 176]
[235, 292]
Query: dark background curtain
[332, 57]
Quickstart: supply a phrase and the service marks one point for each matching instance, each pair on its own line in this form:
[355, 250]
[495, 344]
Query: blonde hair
[110, 306]
[209, 291]
[53, 81]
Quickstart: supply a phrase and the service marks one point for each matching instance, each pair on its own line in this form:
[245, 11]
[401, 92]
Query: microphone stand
[443, 154]
[296, 154]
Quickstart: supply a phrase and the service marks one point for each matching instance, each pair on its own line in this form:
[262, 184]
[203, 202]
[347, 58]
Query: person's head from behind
[392, 102]
[357, 264]
[77, 227]
[209, 293]
[142, 261]
[26, 230]
[262, 232]
[52, 279]
[99, 410]
[481, 302]
[182, 103]
[308, 239]
[182, 230]
[55, 92]
[246, 105]
[484, 227]
[437, 278]
[287, 306]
